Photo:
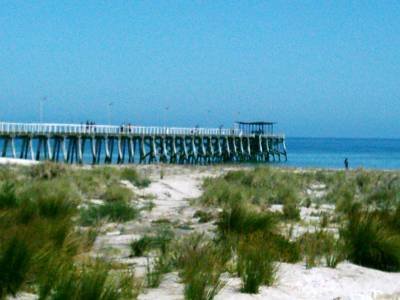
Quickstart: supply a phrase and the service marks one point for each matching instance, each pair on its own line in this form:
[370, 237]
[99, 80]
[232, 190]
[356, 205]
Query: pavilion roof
[255, 123]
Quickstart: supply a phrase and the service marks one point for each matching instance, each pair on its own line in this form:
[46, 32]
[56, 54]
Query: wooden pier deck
[81, 143]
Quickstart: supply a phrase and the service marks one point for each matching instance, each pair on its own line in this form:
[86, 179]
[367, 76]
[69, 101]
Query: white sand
[347, 281]
[16, 161]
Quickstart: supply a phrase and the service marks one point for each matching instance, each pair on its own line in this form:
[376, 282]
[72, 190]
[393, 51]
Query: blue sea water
[331, 152]
[324, 153]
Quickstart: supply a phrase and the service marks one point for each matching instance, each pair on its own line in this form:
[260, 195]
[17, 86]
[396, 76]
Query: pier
[97, 144]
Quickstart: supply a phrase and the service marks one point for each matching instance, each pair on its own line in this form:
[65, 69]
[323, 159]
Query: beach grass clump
[241, 220]
[9, 173]
[116, 211]
[36, 238]
[164, 261]
[160, 241]
[255, 263]
[115, 193]
[384, 194]
[47, 171]
[217, 191]
[39, 241]
[15, 262]
[343, 196]
[57, 198]
[291, 210]
[8, 197]
[320, 245]
[203, 216]
[370, 241]
[116, 208]
[155, 270]
[260, 186]
[141, 246]
[93, 182]
[200, 265]
[283, 249]
[91, 280]
[133, 176]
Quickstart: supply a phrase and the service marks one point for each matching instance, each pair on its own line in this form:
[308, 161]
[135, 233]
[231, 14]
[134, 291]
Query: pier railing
[58, 128]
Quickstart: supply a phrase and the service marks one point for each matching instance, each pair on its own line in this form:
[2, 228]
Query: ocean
[324, 153]
[331, 152]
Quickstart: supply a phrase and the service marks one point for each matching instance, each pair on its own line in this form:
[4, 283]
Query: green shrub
[8, 198]
[200, 266]
[307, 202]
[290, 210]
[116, 193]
[284, 250]
[15, 262]
[140, 246]
[55, 206]
[370, 242]
[255, 263]
[160, 241]
[90, 183]
[382, 197]
[363, 180]
[117, 211]
[242, 220]
[134, 177]
[47, 170]
[220, 192]
[154, 272]
[324, 220]
[90, 281]
[343, 197]
[203, 216]
[318, 245]
[54, 198]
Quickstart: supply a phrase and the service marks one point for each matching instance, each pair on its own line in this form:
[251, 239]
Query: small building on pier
[258, 128]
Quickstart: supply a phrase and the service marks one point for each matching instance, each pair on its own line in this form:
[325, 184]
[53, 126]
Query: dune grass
[8, 198]
[239, 219]
[159, 241]
[114, 193]
[91, 280]
[42, 243]
[200, 265]
[116, 211]
[247, 227]
[371, 241]
[32, 240]
[15, 261]
[134, 177]
[39, 237]
[255, 264]
[320, 247]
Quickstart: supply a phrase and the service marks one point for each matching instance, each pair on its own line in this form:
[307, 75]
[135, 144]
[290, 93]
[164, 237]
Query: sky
[318, 68]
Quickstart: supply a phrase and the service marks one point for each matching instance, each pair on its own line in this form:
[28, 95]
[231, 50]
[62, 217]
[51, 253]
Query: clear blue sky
[318, 68]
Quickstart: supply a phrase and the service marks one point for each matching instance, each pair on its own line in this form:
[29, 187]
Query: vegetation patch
[255, 263]
[371, 241]
[116, 211]
[200, 266]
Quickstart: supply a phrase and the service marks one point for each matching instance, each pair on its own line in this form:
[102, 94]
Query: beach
[174, 192]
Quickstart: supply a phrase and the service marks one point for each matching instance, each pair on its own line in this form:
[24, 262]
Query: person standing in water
[346, 163]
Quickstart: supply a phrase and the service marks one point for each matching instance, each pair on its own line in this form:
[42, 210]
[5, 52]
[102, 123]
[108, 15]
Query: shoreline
[244, 166]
